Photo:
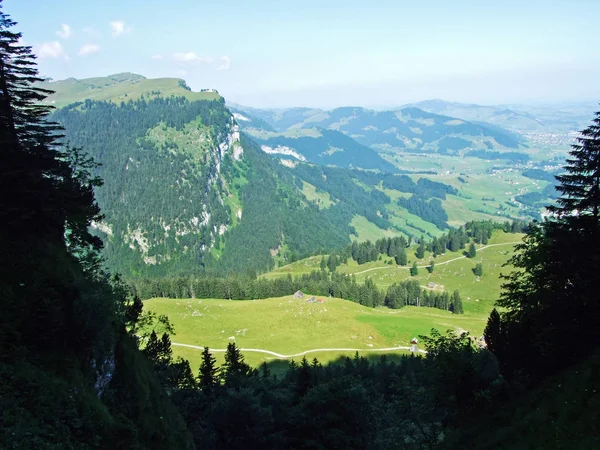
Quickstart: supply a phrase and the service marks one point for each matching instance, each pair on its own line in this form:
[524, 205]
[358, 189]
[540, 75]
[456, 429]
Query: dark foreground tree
[72, 376]
[209, 372]
[551, 300]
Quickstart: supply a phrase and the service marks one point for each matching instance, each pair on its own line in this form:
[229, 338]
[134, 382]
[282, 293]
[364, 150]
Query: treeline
[454, 240]
[319, 283]
[430, 210]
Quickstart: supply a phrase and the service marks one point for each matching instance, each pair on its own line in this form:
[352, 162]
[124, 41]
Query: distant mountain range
[404, 130]
[520, 118]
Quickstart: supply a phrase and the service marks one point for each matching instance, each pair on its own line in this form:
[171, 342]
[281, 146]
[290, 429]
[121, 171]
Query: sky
[328, 53]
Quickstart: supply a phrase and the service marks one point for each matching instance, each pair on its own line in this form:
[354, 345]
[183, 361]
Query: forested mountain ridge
[166, 197]
[185, 192]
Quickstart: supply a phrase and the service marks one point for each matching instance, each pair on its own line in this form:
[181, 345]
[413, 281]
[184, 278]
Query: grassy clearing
[366, 230]
[118, 88]
[322, 199]
[288, 326]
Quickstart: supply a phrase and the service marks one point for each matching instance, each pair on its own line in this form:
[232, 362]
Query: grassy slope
[323, 199]
[289, 326]
[117, 88]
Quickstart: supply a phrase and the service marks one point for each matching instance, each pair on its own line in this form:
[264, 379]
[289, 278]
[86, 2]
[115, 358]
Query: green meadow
[289, 326]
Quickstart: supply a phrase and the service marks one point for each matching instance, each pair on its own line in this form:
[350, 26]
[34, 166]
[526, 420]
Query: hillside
[185, 191]
[121, 87]
[297, 326]
[323, 147]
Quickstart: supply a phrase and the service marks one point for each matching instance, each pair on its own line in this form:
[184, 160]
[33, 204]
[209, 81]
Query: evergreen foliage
[72, 376]
[472, 251]
[414, 270]
[550, 301]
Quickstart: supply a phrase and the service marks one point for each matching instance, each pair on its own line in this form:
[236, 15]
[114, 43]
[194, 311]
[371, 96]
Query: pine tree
[234, 367]
[551, 300]
[414, 270]
[401, 258]
[478, 270]
[579, 204]
[472, 251]
[46, 208]
[209, 372]
[420, 252]
[456, 305]
[431, 267]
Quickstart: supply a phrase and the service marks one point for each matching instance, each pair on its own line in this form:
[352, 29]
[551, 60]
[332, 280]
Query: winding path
[314, 350]
[436, 264]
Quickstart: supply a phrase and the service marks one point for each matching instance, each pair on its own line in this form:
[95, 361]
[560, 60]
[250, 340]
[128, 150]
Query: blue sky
[328, 53]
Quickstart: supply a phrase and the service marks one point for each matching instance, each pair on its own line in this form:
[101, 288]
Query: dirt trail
[314, 350]
[436, 264]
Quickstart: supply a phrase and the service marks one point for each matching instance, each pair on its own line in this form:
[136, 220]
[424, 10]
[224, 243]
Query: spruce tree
[456, 305]
[401, 258]
[431, 267]
[414, 270]
[209, 372]
[551, 300]
[579, 205]
[420, 252]
[472, 251]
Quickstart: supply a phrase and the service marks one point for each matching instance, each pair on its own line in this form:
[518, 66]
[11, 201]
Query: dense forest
[320, 283]
[171, 207]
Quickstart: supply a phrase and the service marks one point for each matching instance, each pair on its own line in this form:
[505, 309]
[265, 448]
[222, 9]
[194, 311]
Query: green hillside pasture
[118, 88]
[478, 294]
[321, 198]
[290, 326]
[452, 271]
[368, 231]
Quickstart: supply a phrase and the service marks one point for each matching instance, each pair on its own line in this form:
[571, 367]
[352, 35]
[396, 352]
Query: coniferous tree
[234, 368]
[431, 267]
[401, 258]
[209, 372]
[579, 204]
[414, 270]
[420, 252]
[478, 270]
[456, 305]
[472, 251]
[550, 300]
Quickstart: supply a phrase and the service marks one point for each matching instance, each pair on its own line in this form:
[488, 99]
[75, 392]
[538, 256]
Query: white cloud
[181, 73]
[118, 28]
[51, 50]
[88, 49]
[157, 56]
[191, 57]
[225, 63]
[64, 32]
